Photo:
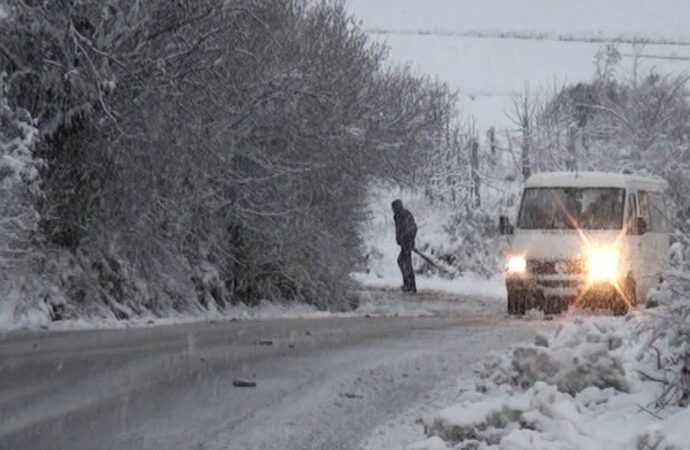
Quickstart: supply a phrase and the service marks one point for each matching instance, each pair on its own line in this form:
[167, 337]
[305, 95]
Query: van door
[632, 250]
[661, 229]
[655, 242]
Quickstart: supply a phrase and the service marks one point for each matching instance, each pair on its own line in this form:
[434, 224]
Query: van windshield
[566, 208]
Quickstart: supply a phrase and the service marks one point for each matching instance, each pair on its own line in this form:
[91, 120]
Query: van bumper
[556, 294]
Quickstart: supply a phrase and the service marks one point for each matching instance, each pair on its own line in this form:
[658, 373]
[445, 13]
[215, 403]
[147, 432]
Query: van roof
[596, 179]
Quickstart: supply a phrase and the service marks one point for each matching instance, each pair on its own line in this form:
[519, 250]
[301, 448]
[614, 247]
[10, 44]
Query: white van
[586, 238]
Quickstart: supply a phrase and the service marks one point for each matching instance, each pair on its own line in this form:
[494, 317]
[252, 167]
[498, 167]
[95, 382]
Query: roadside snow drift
[581, 388]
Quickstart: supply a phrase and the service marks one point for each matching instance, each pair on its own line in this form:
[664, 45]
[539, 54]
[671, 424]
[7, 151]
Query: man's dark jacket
[405, 228]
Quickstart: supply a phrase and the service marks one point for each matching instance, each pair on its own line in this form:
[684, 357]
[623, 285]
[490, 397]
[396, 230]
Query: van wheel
[509, 304]
[522, 303]
[516, 302]
[548, 305]
[559, 305]
[540, 303]
[619, 307]
[631, 290]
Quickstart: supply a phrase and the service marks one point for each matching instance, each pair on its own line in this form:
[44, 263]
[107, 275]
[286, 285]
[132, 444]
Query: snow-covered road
[336, 383]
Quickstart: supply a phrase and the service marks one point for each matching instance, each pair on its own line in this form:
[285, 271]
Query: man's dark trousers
[405, 264]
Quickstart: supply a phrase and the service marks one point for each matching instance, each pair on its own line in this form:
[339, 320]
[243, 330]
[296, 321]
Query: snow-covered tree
[210, 151]
[19, 191]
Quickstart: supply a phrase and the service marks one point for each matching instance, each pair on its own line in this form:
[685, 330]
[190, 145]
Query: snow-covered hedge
[459, 238]
[165, 192]
[19, 220]
[668, 337]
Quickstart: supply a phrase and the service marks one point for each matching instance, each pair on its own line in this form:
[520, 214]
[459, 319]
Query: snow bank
[467, 284]
[579, 388]
[264, 311]
[532, 419]
[369, 303]
[579, 355]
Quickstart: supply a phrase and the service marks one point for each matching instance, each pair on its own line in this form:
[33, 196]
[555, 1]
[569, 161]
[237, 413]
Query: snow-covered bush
[446, 233]
[545, 395]
[667, 330]
[459, 237]
[579, 355]
[592, 383]
[193, 160]
[541, 417]
[655, 439]
[19, 220]
[19, 177]
[637, 122]
[473, 245]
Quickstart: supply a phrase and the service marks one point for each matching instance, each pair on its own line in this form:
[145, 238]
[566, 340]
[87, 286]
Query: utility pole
[474, 163]
[571, 162]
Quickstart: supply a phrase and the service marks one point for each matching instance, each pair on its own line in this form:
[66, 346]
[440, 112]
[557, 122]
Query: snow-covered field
[491, 49]
[654, 19]
[489, 71]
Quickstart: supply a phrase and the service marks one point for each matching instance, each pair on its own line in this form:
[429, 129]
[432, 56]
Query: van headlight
[517, 265]
[602, 264]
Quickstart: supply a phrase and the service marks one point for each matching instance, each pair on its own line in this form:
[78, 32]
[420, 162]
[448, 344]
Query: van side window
[653, 209]
[645, 210]
[658, 211]
[632, 209]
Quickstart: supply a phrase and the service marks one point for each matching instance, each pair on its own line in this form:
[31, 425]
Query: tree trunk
[491, 134]
[474, 163]
[526, 170]
[571, 162]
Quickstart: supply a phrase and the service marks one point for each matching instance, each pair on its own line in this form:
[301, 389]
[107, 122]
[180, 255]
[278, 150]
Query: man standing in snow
[405, 233]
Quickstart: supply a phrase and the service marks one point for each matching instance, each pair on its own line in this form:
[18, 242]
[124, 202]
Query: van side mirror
[504, 226]
[639, 226]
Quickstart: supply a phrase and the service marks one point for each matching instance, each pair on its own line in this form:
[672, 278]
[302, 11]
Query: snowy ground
[468, 285]
[434, 371]
[336, 382]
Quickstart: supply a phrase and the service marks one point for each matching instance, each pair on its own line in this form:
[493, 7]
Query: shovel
[426, 258]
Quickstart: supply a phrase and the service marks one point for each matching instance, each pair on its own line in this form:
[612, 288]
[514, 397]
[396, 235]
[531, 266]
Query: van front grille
[555, 267]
